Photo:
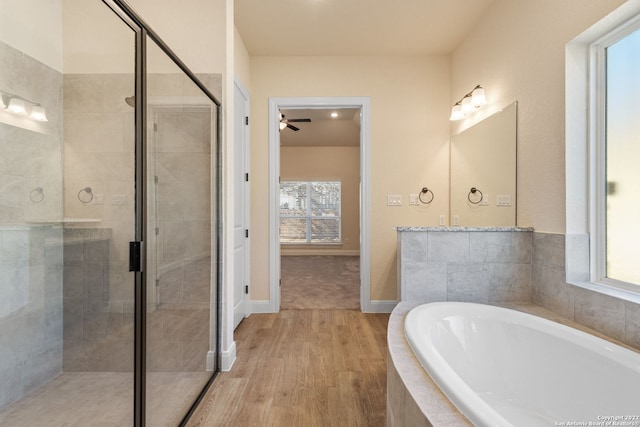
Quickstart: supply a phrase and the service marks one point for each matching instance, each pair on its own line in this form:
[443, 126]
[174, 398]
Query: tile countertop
[462, 229]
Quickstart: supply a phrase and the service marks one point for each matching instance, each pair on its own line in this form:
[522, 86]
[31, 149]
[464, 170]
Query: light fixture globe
[478, 98]
[456, 113]
[38, 113]
[467, 106]
[17, 106]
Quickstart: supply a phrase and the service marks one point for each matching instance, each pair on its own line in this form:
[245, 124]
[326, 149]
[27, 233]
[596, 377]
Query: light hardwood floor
[303, 368]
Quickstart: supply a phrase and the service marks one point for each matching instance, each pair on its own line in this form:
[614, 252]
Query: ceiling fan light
[282, 125]
[478, 97]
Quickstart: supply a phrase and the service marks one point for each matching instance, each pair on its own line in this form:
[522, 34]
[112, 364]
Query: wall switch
[394, 200]
[442, 220]
[456, 220]
[485, 200]
[503, 200]
[413, 199]
[119, 200]
[98, 199]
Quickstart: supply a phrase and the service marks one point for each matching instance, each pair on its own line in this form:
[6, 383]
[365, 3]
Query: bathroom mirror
[483, 172]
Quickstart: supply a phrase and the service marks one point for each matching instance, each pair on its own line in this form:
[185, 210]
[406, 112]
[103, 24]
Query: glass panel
[293, 230]
[622, 154]
[67, 214]
[325, 230]
[181, 306]
[293, 199]
[325, 198]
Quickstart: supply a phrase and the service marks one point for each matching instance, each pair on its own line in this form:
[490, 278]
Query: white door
[241, 208]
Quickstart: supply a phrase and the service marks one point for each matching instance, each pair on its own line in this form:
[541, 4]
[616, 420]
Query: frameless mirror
[483, 172]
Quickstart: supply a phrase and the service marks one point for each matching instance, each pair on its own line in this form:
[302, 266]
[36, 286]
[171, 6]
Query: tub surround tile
[600, 312]
[463, 265]
[632, 324]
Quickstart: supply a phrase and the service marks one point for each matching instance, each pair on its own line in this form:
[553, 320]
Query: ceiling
[323, 130]
[356, 27]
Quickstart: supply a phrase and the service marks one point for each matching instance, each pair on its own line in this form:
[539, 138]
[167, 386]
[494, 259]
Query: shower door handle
[135, 256]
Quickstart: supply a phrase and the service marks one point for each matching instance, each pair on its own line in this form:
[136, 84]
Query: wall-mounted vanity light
[20, 106]
[468, 104]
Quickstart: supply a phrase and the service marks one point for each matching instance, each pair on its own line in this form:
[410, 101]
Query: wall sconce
[468, 104]
[22, 107]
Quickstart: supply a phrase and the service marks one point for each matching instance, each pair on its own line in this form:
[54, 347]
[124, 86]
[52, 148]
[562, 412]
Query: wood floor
[303, 368]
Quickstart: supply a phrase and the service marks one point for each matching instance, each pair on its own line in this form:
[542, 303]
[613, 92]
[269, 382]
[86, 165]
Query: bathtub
[501, 367]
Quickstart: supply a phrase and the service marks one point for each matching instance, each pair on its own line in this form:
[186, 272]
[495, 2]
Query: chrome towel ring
[425, 191]
[473, 191]
[85, 195]
[37, 195]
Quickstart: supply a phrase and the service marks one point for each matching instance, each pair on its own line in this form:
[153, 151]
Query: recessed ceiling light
[334, 114]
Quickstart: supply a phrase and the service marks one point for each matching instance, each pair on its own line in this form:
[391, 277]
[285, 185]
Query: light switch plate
[394, 200]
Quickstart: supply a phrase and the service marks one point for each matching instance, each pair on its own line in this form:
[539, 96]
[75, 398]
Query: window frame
[597, 154]
[309, 217]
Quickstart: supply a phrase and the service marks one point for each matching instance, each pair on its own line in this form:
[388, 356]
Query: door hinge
[135, 256]
[280, 284]
[246, 120]
[246, 177]
[155, 127]
[246, 232]
[157, 231]
[155, 179]
[246, 289]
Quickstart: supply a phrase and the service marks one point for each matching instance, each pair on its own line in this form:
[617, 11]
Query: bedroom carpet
[320, 282]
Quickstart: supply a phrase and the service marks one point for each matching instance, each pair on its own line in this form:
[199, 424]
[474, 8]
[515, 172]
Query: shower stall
[109, 220]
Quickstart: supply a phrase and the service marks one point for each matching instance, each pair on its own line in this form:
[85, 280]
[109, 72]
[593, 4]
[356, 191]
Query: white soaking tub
[501, 367]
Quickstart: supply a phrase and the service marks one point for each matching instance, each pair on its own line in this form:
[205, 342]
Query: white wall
[517, 52]
[409, 144]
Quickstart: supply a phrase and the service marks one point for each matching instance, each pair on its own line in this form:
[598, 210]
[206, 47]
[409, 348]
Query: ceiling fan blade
[292, 127]
[299, 120]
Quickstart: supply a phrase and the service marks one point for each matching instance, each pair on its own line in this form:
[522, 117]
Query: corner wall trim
[228, 357]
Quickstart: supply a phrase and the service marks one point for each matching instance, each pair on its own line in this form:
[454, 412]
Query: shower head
[131, 101]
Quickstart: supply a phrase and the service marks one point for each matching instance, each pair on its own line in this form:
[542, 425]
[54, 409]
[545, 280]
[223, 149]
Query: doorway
[279, 150]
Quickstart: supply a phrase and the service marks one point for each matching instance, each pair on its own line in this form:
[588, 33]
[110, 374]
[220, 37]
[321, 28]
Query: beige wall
[35, 28]
[517, 52]
[409, 144]
[241, 61]
[328, 164]
[97, 41]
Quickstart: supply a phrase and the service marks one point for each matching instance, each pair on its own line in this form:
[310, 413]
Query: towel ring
[85, 199]
[474, 190]
[37, 195]
[425, 190]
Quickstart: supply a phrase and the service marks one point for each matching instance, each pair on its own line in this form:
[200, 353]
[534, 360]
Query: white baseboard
[262, 306]
[380, 306]
[228, 358]
[318, 252]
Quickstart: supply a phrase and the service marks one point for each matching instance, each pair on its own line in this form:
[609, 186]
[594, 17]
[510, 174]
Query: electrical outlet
[456, 220]
[413, 199]
[442, 220]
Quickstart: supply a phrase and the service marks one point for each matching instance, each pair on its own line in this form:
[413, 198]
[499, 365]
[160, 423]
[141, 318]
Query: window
[310, 212]
[617, 192]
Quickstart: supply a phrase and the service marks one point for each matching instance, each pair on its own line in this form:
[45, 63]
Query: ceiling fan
[286, 123]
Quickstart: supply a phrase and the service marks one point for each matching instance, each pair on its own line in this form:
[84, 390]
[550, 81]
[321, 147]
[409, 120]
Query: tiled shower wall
[30, 240]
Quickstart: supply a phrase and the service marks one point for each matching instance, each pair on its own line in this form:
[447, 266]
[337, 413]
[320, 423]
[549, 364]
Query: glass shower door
[181, 259]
